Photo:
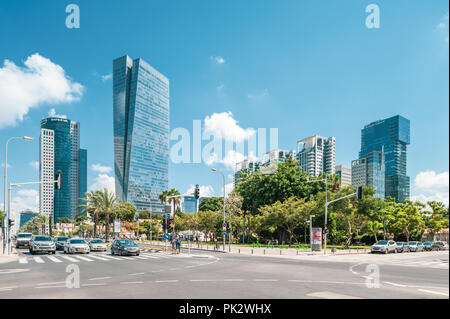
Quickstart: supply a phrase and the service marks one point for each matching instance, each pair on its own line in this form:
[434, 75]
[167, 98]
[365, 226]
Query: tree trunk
[107, 227]
[375, 234]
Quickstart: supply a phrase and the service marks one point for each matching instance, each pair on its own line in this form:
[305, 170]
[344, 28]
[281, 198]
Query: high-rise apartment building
[60, 152]
[345, 175]
[317, 155]
[141, 132]
[390, 136]
[369, 170]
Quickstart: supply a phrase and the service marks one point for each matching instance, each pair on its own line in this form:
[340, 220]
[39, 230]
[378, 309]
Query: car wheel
[112, 252]
[137, 254]
[386, 251]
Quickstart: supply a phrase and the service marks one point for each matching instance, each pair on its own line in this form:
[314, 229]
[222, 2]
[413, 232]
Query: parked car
[428, 246]
[97, 245]
[42, 244]
[415, 246]
[440, 245]
[124, 247]
[384, 246]
[60, 241]
[76, 245]
[402, 247]
[23, 240]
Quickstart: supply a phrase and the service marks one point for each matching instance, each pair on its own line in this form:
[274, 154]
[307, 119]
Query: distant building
[141, 133]
[317, 155]
[26, 216]
[390, 136]
[189, 204]
[369, 170]
[60, 152]
[345, 175]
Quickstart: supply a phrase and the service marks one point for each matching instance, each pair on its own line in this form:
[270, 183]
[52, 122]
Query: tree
[106, 204]
[91, 207]
[209, 222]
[437, 220]
[211, 203]
[233, 205]
[374, 227]
[124, 211]
[408, 220]
[174, 201]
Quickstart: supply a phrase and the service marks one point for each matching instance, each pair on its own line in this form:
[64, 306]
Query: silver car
[97, 245]
[42, 244]
[416, 246]
[76, 245]
[23, 240]
[384, 246]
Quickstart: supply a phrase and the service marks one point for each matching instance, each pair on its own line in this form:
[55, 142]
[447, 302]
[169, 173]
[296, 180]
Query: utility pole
[310, 231]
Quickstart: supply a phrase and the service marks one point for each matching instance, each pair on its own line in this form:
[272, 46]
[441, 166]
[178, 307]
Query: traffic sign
[224, 225]
[224, 232]
[168, 216]
[166, 236]
[224, 228]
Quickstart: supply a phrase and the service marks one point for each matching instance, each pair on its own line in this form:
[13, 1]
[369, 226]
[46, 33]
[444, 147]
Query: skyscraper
[345, 174]
[369, 170]
[189, 204]
[141, 132]
[60, 152]
[392, 134]
[318, 155]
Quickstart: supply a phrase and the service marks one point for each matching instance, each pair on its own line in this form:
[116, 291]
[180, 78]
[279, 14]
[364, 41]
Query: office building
[189, 204]
[345, 175]
[390, 136]
[26, 216]
[369, 170]
[141, 132]
[60, 152]
[317, 154]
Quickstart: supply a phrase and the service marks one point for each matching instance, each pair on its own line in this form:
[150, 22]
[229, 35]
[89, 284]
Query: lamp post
[325, 179]
[215, 170]
[310, 231]
[6, 214]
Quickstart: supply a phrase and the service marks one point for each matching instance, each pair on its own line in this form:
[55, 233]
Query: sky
[303, 67]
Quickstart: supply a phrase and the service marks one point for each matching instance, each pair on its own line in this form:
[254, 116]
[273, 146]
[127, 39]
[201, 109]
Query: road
[220, 275]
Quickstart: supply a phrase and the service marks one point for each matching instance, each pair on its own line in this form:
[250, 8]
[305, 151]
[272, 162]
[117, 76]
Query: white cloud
[103, 181]
[259, 96]
[52, 113]
[218, 59]
[232, 158]
[106, 77]
[205, 190]
[442, 27]
[40, 81]
[101, 168]
[228, 189]
[3, 165]
[34, 164]
[25, 199]
[225, 126]
[429, 185]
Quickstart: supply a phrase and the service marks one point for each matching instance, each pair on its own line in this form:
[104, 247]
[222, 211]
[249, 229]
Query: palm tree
[175, 201]
[163, 196]
[106, 201]
[92, 207]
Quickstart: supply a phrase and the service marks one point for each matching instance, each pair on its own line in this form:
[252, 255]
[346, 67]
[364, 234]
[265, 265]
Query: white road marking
[202, 280]
[233, 280]
[150, 256]
[166, 281]
[434, 292]
[70, 259]
[100, 258]
[50, 283]
[135, 274]
[131, 282]
[41, 287]
[100, 278]
[141, 257]
[83, 258]
[54, 259]
[331, 295]
[100, 284]
[113, 257]
[23, 260]
[265, 279]
[394, 284]
[39, 260]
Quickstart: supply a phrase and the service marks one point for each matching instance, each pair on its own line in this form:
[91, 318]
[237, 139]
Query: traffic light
[58, 180]
[10, 223]
[197, 192]
[359, 192]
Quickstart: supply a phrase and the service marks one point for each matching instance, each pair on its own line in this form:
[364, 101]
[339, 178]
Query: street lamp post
[7, 215]
[215, 170]
[325, 179]
[310, 231]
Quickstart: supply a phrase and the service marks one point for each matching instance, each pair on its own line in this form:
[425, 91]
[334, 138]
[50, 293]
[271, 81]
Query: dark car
[440, 245]
[60, 241]
[124, 247]
[402, 247]
[428, 246]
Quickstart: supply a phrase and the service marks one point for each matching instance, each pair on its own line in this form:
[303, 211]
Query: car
[76, 245]
[428, 246]
[124, 247]
[402, 247]
[23, 240]
[384, 246]
[415, 246]
[97, 245]
[440, 245]
[60, 241]
[42, 244]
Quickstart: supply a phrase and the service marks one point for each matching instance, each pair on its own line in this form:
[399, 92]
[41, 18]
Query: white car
[384, 246]
[76, 245]
[97, 245]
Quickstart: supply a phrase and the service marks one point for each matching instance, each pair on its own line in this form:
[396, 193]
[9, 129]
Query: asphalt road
[219, 275]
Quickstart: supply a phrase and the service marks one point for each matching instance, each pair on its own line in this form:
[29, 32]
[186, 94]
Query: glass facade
[390, 136]
[83, 176]
[141, 132]
[189, 204]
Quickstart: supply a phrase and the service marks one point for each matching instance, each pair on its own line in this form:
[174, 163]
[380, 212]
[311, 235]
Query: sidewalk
[5, 258]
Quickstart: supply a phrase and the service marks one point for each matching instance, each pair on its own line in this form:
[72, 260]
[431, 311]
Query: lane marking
[233, 280]
[394, 284]
[38, 259]
[54, 259]
[100, 258]
[83, 258]
[200, 280]
[141, 257]
[131, 282]
[50, 283]
[265, 279]
[434, 292]
[135, 274]
[150, 256]
[71, 259]
[100, 278]
[23, 260]
[99, 284]
[42, 287]
[331, 295]
[166, 281]
[113, 257]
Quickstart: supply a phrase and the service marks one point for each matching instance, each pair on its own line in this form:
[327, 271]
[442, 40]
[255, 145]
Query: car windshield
[127, 243]
[42, 238]
[427, 243]
[97, 241]
[399, 244]
[383, 242]
[23, 235]
[77, 241]
[62, 238]
[412, 243]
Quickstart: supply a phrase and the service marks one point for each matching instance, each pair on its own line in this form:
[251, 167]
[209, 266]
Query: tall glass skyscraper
[141, 132]
[392, 134]
[60, 152]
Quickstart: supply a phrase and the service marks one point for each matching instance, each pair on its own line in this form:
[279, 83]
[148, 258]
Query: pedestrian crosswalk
[88, 258]
[432, 263]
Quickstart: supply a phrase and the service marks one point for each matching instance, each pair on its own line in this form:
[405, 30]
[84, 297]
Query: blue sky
[304, 67]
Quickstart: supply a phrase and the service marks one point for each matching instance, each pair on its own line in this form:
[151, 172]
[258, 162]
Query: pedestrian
[178, 245]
